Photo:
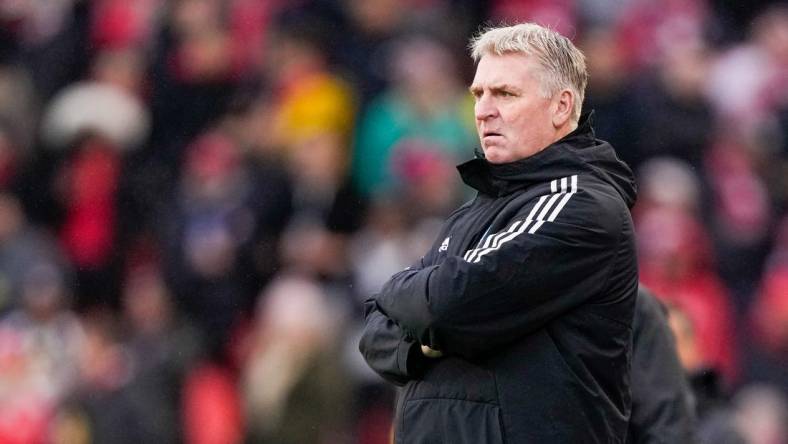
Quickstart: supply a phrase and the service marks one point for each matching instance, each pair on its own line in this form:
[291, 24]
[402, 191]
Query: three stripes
[541, 210]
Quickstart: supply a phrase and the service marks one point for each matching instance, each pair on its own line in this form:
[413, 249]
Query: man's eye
[507, 94]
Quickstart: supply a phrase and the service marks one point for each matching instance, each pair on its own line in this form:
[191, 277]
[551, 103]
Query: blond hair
[563, 65]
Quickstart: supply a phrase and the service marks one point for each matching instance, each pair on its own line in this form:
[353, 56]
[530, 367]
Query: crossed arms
[469, 308]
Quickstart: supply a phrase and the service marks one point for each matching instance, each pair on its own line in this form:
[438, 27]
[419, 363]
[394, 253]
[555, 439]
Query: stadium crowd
[197, 195]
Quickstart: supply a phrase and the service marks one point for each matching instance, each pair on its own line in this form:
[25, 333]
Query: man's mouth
[491, 133]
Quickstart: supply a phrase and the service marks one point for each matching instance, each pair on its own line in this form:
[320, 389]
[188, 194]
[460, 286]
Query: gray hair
[563, 65]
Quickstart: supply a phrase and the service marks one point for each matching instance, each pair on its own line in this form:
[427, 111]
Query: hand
[430, 353]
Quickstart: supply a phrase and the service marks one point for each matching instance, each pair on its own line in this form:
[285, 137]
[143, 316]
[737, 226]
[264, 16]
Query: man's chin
[497, 155]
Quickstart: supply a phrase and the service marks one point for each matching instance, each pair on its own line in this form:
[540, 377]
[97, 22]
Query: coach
[516, 326]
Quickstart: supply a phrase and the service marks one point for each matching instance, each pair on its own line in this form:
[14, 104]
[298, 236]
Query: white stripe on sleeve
[496, 239]
[568, 188]
[564, 200]
[528, 221]
[541, 218]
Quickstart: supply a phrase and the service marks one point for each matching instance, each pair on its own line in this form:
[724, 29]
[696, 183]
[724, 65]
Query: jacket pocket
[449, 421]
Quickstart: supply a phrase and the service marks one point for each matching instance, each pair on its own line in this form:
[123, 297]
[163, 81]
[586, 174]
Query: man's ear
[565, 104]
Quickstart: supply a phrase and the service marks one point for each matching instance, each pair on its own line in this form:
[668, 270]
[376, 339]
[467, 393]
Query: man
[517, 325]
[663, 407]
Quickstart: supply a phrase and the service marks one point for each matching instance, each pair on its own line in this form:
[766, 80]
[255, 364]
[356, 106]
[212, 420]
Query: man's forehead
[508, 68]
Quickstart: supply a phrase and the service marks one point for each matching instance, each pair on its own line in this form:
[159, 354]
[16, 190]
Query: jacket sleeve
[387, 349]
[528, 274]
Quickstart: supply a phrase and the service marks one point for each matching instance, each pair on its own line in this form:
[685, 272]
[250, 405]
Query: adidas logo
[444, 245]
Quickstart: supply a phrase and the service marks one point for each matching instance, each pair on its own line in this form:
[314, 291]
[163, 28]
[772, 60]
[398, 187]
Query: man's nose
[485, 108]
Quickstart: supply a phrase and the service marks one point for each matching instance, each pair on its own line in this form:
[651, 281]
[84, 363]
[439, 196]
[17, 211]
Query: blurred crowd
[196, 196]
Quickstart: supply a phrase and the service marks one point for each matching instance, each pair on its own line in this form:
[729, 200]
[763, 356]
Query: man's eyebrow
[500, 87]
[506, 87]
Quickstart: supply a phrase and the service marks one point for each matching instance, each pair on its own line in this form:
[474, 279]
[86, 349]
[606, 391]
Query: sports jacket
[529, 292]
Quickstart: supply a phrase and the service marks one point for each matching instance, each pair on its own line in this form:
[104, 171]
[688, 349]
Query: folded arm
[388, 350]
[529, 274]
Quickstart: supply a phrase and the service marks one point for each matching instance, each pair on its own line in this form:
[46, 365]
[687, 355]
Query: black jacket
[529, 291]
[663, 407]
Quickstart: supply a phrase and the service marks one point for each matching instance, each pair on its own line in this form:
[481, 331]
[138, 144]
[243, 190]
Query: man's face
[513, 120]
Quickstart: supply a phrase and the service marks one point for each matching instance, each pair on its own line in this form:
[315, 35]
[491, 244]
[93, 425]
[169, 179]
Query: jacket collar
[552, 162]
[579, 151]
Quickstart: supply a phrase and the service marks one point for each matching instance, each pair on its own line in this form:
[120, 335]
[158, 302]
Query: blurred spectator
[131, 380]
[308, 100]
[22, 248]
[248, 126]
[741, 211]
[372, 25]
[100, 406]
[327, 208]
[222, 217]
[611, 95]
[293, 384]
[195, 79]
[425, 105]
[675, 261]
[746, 166]
[663, 408]
[675, 117]
[162, 347]
[310, 115]
[748, 83]
[715, 414]
[40, 348]
[768, 352]
[90, 128]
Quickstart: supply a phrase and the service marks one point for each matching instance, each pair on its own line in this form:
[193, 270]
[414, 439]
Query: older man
[517, 325]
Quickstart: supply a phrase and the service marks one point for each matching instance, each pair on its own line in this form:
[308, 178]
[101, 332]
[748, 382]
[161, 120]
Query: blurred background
[196, 196]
